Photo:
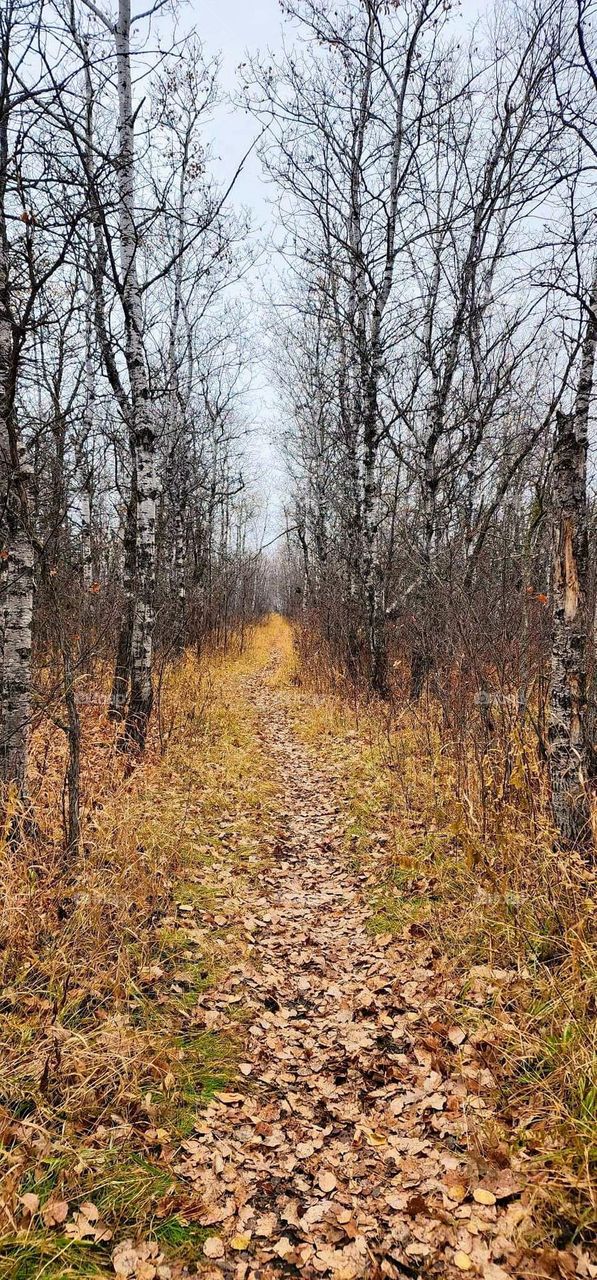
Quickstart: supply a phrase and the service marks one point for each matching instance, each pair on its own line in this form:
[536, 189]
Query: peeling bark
[568, 763]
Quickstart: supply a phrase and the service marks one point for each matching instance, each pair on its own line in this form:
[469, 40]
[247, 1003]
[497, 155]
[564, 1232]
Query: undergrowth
[104, 1064]
[456, 850]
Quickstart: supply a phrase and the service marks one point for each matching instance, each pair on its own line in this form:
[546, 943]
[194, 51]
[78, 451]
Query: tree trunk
[567, 729]
[17, 548]
[18, 618]
[122, 664]
[180, 562]
[142, 434]
[84, 462]
[378, 665]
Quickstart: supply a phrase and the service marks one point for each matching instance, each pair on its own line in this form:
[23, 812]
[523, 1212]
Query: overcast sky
[235, 28]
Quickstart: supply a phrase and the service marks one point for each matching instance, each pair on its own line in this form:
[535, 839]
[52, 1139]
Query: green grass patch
[53, 1257]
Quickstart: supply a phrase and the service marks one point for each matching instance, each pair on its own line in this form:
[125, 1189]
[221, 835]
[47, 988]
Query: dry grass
[456, 847]
[102, 1063]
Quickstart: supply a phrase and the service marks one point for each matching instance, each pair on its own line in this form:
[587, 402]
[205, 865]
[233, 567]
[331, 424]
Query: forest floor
[317, 1092]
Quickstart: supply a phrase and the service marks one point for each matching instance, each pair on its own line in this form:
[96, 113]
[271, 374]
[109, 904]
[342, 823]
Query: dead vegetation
[459, 850]
[104, 1060]
[143, 1026]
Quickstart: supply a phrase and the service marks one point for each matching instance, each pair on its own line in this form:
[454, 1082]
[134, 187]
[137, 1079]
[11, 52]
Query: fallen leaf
[30, 1202]
[54, 1212]
[241, 1242]
[90, 1210]
[482, 1196]
[326, 1181]
[462, 1261]
[283, 1247]
[266, 1225]
[456, 1191]
[213, 1247]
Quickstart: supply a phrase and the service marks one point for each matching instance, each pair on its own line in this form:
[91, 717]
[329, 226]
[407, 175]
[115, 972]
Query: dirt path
[348, 1150]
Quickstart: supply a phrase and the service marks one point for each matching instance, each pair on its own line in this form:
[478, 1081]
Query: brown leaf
[417, 1206]
[54, 1212]
[213, 1247]
[90, 1210]
[266, 1225]
[30, 1202]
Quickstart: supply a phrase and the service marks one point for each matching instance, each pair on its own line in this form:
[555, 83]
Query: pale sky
[235, 28]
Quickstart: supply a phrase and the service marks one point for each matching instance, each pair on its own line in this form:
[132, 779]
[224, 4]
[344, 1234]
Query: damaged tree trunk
[568, 756]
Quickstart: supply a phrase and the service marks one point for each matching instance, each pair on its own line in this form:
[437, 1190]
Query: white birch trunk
[18, 558]
[180, 563]
[18, 620]
[142, 434]
[85, 490]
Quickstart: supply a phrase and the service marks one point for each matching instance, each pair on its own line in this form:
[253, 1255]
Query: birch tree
[567, 726]
[32, 191]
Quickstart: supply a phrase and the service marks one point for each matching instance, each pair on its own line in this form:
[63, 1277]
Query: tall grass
[454, 831]
[103, 1063]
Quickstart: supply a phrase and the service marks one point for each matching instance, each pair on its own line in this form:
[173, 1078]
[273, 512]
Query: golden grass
[102, 1067]
[454, 847]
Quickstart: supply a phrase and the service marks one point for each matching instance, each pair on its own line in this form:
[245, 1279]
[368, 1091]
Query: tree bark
[18, 547]
[180, 563]
[122, 664]
[567, 728]
[18, 615]
[142, 433]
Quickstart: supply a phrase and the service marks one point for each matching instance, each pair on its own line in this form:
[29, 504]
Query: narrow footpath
[352, 1145]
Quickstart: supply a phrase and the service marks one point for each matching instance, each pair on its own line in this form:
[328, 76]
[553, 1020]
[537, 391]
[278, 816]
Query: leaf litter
[360, 1138]
[355, 1149]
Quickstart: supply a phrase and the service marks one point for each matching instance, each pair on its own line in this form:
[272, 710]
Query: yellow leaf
[482, 1196]
[241, 1242]
[462, 1261]
[375, 1139]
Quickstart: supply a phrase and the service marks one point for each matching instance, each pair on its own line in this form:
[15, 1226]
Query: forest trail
[349, 1148]
[286, 1066]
